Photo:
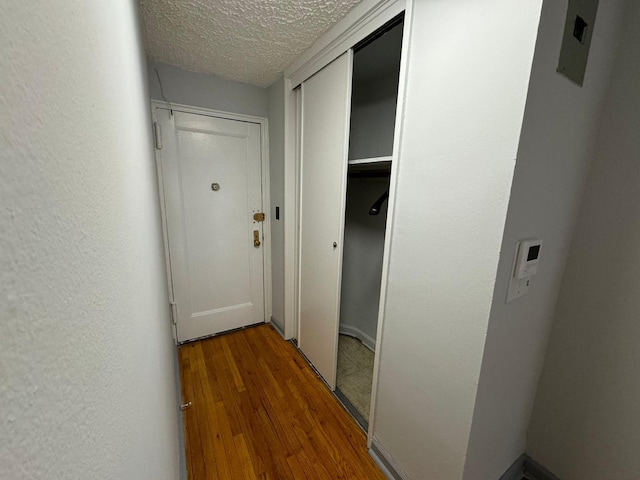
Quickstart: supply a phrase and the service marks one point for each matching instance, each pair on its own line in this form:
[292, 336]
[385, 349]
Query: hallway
[259, 411]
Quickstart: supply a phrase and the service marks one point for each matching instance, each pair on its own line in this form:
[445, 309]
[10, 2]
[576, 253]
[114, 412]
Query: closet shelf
[368, 161]
[368, 166]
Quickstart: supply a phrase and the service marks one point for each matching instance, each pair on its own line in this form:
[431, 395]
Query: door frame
[363, 20]
[266, 197]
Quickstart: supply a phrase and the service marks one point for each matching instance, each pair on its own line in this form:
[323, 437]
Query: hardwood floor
[259, 412]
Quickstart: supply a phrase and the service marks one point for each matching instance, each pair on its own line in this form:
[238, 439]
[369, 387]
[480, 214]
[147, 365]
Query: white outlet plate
[518, 287]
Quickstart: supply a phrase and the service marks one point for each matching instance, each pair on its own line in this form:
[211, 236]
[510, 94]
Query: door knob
[256, 238]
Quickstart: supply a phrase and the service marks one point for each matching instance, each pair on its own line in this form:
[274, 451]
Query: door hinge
[157, 133]
[174, 312]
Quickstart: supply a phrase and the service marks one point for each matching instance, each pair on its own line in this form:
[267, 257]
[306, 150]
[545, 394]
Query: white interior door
[212, 182]
[326, 102]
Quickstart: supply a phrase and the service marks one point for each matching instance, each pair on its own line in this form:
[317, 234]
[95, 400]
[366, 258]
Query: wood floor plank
[296, 468]
[213, 470]
[234, 461]
[259, 437]
[222, 383]
[217, 426]
[309, 460]
[260, 412]
[244, 458]
[237, 378]
[272, 444]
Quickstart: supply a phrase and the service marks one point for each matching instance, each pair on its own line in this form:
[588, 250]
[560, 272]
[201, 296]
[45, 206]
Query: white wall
[376, 68]
[555, 151]
[587, 413]
[464, 109]
[87, 387]
[206, 91]
[373, 115]
[362, 258]
[276, 168]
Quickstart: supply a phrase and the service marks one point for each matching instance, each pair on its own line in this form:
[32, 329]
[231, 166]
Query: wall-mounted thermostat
[525, 266]
[528, 257]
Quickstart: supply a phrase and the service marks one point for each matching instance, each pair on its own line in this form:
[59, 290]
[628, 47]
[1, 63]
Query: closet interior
[375, 77]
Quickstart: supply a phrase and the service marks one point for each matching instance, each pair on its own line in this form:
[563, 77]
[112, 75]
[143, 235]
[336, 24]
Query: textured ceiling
[251, 41]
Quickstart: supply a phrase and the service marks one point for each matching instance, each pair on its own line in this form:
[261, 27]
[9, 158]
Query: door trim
[363, 20]
[391, 209]
[359, 23]
[266, 195]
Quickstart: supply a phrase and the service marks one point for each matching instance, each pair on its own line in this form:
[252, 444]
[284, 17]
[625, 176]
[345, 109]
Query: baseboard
[527, 467]
[516, 470]
[277, 325]
[524, 466]
[182, 448]
[346, 403]
[385, 462]
[535, 471]
[352, 331]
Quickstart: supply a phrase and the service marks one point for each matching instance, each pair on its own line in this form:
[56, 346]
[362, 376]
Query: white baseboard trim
[277, 325]
[385, 462]
[182, 447]
[527, 467]
[352, 331]
[516, 470]
[536, 471]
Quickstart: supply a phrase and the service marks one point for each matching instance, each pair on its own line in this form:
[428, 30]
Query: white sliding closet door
[326, 105]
